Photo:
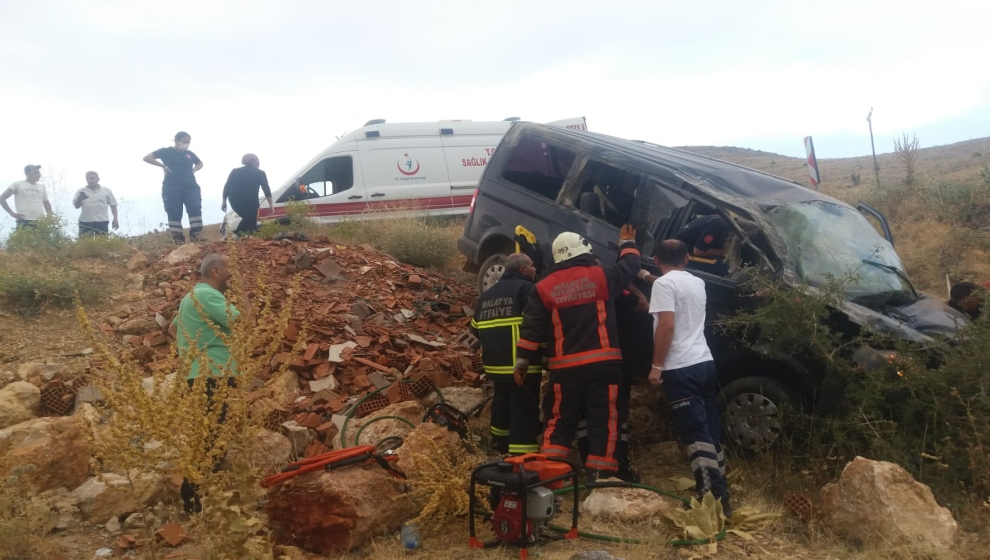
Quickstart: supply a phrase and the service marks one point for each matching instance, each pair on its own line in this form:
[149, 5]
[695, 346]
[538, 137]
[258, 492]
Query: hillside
[941, 223]
[960, 162]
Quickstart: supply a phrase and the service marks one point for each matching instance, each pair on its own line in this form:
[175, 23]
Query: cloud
[97, 85]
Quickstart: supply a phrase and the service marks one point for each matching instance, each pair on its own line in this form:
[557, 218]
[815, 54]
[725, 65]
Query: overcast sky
[97, 84]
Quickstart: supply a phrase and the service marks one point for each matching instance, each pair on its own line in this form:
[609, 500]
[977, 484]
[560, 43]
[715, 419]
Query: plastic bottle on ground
[409, 534]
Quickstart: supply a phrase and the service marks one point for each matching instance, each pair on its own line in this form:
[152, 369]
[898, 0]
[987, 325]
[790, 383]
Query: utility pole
[876, 166]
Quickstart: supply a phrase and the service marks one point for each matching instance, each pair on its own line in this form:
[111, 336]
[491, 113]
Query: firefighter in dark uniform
[572, 311]
[497, 317]
[706, 238]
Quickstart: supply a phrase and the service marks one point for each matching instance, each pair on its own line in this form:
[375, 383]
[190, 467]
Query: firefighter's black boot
[626, 472]
[591, 476]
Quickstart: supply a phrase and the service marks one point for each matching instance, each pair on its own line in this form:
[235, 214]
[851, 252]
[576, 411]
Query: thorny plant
[174, 429]
[926, 407]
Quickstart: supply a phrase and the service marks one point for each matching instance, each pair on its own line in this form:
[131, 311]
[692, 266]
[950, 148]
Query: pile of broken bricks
[368, 322]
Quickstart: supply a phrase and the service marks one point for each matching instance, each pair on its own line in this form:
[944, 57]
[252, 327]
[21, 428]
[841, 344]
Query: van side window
[330, 176]
[607, 192]
[539, 167]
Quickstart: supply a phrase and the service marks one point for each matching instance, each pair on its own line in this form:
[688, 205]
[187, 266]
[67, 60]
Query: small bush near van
[413, 241]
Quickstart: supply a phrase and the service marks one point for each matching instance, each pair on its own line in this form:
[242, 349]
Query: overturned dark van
[551, 180]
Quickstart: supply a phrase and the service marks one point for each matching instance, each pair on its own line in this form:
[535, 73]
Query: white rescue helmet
[569, 245]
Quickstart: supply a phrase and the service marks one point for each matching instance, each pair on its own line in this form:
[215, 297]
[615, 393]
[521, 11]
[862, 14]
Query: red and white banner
[809, 148]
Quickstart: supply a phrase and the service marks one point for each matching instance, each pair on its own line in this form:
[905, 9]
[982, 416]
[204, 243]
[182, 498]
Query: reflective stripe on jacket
[572, 310]
[496, 322]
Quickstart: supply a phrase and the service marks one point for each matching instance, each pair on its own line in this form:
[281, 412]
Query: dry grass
[959, 163]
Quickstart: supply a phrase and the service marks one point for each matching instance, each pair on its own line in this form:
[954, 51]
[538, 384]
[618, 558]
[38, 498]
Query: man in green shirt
[204, 315]
[201, 328]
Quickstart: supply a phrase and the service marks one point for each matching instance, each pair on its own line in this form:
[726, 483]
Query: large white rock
[880, 504]
[183, 253]
[12, 412]
[19, 402]
[627, 504]
[113, 495]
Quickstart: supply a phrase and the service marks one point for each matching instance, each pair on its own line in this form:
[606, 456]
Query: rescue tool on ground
[363, 455]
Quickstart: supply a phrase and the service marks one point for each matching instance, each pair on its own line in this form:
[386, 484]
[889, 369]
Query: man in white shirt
[94, 200]
[683, 364]
[30, 198]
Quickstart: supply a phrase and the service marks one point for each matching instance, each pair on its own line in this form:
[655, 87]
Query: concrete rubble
[369, 322]
[369, 337]
[881, 503]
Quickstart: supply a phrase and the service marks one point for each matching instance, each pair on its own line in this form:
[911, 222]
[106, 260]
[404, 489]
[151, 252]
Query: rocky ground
[363, 323]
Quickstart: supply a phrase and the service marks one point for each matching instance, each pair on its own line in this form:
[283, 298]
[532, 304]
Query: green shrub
[49, 235]
[268, 229]
[925, 408]
[29, 291]
[100, 246]
[297, 215]
[348, 231]
[412, 241]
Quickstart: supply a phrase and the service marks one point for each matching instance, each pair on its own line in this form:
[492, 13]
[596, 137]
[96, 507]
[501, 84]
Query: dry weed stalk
[171, 430]
[907, 152]
[21, 524]
[441, 491]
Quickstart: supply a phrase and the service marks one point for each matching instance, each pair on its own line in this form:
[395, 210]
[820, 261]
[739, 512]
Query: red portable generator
[522, 499]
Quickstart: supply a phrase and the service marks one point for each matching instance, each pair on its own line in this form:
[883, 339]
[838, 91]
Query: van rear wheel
[491, 271]
[753, 412]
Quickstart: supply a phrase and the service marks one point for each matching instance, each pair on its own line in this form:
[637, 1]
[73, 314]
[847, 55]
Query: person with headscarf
[242, 190]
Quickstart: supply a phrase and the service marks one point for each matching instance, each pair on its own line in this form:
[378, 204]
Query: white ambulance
[411, 168]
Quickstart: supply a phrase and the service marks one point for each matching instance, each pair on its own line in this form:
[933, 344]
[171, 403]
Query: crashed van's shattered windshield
[827, 240]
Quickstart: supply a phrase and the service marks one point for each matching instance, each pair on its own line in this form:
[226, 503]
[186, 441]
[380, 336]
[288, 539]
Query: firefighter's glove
[519, 373]
[627, 234]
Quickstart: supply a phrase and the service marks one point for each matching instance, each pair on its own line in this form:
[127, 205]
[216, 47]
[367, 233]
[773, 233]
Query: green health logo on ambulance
[408, 167]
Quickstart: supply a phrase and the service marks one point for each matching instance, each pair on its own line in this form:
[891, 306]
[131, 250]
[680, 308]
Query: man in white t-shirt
[30, 198]
[95, 200]
[683, 364]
